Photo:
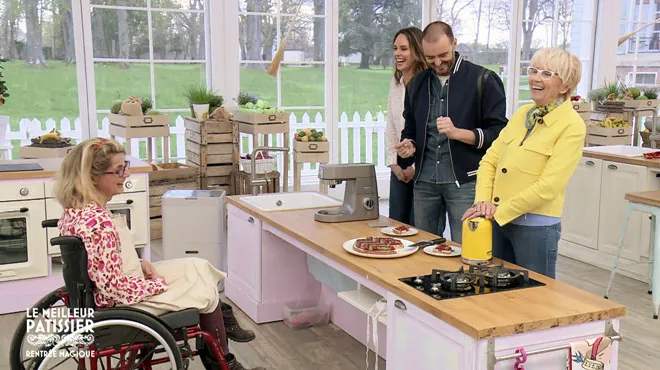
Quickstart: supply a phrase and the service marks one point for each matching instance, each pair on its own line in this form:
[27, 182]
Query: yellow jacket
[531, 178]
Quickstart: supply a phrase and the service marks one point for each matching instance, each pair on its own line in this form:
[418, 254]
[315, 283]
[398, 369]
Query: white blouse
[395, 121]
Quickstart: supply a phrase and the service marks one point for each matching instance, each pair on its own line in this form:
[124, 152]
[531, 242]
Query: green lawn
[42, 93]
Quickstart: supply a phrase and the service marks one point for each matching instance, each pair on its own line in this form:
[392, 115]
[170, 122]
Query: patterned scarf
[536, 114]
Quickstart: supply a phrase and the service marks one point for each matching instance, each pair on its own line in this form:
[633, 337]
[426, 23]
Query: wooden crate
[213, 146]
[258, 119]
[139, 126]
[642, 104]
[164, 177]
[242, 182]
[608, 136]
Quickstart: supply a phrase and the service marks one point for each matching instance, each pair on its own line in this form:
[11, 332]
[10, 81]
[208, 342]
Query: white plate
[405, 251]
[456, 251]
[390, 231]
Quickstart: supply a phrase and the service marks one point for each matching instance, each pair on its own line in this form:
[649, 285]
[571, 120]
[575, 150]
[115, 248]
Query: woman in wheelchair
[91, 174]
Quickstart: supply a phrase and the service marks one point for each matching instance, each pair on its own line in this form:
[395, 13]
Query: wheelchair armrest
[49, 223]
[67, 241]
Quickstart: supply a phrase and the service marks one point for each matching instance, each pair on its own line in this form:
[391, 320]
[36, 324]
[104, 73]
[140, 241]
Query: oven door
[134, 207]
[23, 251]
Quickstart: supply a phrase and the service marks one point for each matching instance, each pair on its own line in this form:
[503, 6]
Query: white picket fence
[363, 131]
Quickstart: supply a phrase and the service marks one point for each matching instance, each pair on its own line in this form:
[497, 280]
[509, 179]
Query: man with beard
[453, 112]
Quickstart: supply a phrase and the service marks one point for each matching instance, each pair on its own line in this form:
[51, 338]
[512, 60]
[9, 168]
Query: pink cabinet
[243, 256]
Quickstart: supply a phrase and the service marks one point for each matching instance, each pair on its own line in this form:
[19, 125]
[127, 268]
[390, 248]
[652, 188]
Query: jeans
[433, 202]
[532, 247]
[401, 201]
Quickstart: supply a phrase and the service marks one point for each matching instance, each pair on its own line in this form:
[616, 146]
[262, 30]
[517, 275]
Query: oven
[132, 203]
[23, 250]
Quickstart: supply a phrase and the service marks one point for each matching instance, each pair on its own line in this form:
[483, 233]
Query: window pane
[309, 7]
[178, 35]
[119, 33]
[255, 81]
[302, 85]
[178, 4]
[140, 3]
[172, 79]
[365, 72]
[257, 37]
[40, 75]
[118, 81]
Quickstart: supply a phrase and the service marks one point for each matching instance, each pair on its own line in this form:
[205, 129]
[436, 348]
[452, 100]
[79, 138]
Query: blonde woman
[91, 174]
[408, 61]
[522, 178]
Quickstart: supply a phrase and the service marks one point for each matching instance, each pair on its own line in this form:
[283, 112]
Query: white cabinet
[244, 252]
[617, 180]
[417, 340]
[582, 205]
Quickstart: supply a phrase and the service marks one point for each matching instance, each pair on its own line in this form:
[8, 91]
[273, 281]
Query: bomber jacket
[486, 117]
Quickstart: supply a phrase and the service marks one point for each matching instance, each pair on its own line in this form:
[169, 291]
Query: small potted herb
[202, 100]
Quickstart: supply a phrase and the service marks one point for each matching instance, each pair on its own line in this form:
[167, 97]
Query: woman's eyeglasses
[545, 74]
[120, 171]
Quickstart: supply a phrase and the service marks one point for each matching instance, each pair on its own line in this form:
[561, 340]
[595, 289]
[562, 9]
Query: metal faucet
[255, 183]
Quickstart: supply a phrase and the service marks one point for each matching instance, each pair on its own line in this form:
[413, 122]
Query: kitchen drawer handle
[400, 305]
[612, 167]
[192, 252]
[117, 203]
[251, 220]
[21, 210]
[590, 163]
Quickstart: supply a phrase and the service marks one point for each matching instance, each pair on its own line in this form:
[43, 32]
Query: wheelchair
[114, 338]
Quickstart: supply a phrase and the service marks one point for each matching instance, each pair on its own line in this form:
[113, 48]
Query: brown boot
[233, 329]
[235, 365]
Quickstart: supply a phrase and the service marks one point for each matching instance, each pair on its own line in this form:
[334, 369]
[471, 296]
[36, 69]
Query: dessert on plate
[400, 230]
[443, 248]
[377, 245]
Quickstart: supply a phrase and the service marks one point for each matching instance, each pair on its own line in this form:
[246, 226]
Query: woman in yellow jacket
[522, 178]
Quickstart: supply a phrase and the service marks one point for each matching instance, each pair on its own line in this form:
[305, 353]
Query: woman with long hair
[91, 174]
[408, 61]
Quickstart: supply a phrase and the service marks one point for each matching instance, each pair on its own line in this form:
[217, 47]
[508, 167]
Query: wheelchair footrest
[180, 319]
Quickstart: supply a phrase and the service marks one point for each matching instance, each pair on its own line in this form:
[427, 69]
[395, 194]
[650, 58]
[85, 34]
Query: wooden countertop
[484, 316]
[52, 165]
[650, 198]
[638, 161]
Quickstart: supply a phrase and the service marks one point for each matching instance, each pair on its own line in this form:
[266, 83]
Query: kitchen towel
[379, 308]
[590, 354]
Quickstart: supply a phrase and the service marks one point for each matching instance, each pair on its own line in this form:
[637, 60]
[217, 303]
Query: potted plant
[253, 110]
[202, 101]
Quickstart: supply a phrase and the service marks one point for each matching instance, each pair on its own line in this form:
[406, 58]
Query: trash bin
[194, 225]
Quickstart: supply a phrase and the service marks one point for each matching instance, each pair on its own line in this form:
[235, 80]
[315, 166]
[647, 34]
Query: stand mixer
[360, 194]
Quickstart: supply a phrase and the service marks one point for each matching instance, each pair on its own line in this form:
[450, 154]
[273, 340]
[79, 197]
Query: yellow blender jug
[477, 241]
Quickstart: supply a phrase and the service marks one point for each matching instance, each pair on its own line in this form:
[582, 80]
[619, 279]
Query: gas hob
[477, 280]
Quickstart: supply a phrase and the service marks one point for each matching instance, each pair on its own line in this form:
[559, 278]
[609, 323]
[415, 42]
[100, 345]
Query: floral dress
[114, 268]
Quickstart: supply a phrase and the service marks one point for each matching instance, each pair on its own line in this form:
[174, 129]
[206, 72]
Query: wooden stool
[646, 202]
[134, 127]
[309, 152]
[266, 124]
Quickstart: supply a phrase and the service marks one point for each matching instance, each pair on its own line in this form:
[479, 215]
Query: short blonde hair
[564, 63]
[74, 187]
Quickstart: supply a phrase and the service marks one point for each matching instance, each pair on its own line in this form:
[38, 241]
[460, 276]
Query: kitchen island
[267, 267]
[595, 208]
[29, 265]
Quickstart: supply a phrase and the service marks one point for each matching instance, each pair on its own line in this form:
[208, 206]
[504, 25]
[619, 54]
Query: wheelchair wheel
[115, 333]
[18, 347]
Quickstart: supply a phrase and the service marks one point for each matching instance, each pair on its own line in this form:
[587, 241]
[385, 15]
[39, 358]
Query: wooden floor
[328, 348]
